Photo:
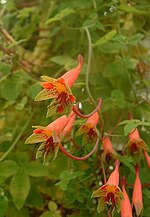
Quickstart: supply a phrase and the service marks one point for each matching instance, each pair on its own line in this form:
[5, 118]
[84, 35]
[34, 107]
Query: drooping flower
[89, 129]
[59, 90]
[66, 133]
[126, 209]
[109, 152]
[137, 202]
[136, 145]
[110, 195]
[147, 158]
[49, 135]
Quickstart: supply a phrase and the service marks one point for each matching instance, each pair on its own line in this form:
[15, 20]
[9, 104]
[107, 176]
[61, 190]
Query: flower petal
[54, 108]
[83, 129]
[49, 79]
[101, 205]
[100, 192]
[47, 156]
[46, 94]
[35, 138]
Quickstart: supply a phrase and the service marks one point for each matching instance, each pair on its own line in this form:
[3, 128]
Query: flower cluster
[110, 196]
[59, 130]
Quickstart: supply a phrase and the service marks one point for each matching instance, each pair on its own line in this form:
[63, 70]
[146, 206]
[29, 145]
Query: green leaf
[130, 63]
[57, 166]
[113, 69]
[8, 168]
[134, 39]
[11, 88]
[3, 205]
[46, 214]
[127, 160]
[12, 211]
[35, 198]
[110, 47]
[105, 38]
[5, 68]
[146, 212]
[63, 184]
[35, 169]
[129, 121]
[101, 205]
[145, 123]
[60, 15]
[130, 126]
[19, 188]
[117, 94]
[34, 89]
[64, 60]
[51, 214]
[22, 103]
[52, 206]
[15, 43]
[68, 175]
[132, 9]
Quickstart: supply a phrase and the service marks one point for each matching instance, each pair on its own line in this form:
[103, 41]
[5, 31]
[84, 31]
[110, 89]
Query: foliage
[44, 38]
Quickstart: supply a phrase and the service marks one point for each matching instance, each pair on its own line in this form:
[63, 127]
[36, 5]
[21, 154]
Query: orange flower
[59, 89]
[126, 209]
[136, 145]
[137, 202]
[49, 135]
[89, 129]
[147, 158]
[110, 195]
[109, 151]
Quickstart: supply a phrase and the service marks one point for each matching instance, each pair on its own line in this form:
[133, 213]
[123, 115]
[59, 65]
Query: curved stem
[89, 64]
[16, 140]
[79, 158]
[76, 111]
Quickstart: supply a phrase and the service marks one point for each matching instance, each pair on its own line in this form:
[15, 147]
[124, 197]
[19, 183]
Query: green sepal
[101, 205]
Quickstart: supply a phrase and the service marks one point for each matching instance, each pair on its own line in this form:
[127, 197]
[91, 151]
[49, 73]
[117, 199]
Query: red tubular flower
[109, 151]
[126, 209]
[136, 145]
[89, 129]
[110, 195]
[49, 135]
[137, 202]
[59, 89]
[147, 158]
[65, 135]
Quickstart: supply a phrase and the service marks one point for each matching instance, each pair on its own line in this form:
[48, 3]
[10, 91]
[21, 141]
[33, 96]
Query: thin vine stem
[16, 140]
[64, 151]
[89, 64]
[103, 170]
[77, 112]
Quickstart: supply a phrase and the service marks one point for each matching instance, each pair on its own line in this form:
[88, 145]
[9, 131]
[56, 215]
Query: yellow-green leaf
[105, 38]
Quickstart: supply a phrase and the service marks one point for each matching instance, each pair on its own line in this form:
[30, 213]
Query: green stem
[89, 64]
[94, 4]
[16, 140]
